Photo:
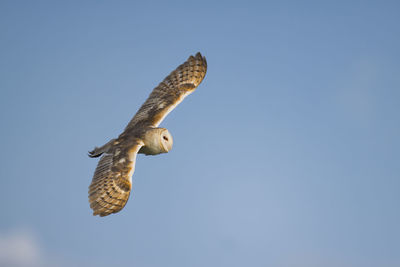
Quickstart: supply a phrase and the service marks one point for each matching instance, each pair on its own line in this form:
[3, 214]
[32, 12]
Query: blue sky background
[286, 155]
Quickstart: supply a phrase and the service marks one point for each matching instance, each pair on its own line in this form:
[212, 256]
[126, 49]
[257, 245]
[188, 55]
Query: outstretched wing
[170, 92]
[112, 180]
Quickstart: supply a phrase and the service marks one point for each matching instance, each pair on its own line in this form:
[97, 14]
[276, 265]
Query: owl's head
[156, 141]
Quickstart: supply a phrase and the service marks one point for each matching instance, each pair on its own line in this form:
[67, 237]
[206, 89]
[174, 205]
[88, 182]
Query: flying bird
[112, 180]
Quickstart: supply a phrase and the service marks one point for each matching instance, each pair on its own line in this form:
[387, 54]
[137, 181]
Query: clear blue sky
[286, 155]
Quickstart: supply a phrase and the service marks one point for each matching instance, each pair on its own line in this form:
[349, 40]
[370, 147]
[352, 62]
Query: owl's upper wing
[170, 92]
[112, 180]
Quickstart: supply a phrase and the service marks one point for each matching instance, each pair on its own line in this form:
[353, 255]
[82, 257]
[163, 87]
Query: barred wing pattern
[170, 92]
[112, 181]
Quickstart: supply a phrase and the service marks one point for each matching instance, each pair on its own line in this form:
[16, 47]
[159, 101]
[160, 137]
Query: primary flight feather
[112, 181]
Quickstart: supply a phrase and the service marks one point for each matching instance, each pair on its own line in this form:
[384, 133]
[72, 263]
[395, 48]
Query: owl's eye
[165, 138]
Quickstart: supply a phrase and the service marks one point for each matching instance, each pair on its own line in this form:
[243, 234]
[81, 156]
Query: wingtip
[199, 56]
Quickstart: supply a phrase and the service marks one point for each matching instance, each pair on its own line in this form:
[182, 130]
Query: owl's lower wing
[170, 92]
[112, 181]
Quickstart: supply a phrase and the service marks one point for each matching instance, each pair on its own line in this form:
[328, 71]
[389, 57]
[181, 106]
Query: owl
[112, 180]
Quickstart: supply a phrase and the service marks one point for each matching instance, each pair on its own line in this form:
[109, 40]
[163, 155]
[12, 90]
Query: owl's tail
[97, 151]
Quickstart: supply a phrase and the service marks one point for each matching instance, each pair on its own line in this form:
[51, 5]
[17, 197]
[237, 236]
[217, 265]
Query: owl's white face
[166, 140]
[156, 141]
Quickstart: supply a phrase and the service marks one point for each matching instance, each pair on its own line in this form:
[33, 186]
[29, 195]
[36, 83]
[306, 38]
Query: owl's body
[112, 180]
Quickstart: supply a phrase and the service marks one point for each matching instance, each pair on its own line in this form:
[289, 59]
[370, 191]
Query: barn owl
[112, 181]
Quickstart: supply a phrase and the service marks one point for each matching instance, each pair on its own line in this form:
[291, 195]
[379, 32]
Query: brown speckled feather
[170, 92]
[112, 180]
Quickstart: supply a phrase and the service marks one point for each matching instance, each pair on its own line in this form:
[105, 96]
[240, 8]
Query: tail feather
[98, 151]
